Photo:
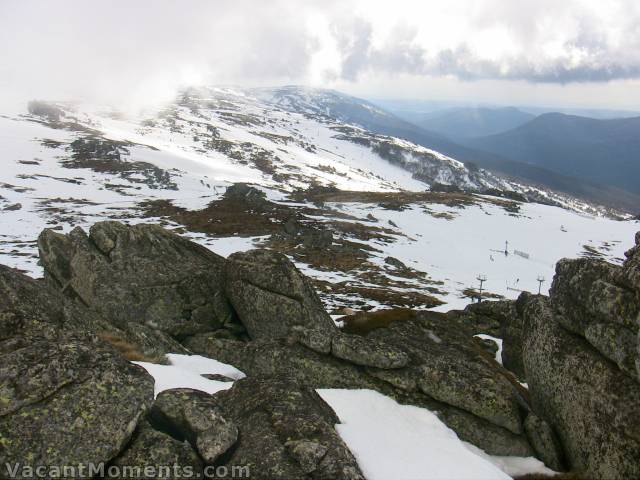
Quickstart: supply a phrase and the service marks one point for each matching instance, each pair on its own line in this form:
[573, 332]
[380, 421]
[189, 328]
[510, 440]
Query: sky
[570, 53]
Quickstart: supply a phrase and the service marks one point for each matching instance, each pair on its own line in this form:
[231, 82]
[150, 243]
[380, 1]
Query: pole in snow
[481, 279]
[541, 280]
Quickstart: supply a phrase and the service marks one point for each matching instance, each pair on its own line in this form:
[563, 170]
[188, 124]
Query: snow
[453, 251]
[471, 242]
[185, 371]
[403, 442]
[225, 246]
[513, 466]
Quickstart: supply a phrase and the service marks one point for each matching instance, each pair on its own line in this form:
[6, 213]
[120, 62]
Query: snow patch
[403, 442]
[185, 371]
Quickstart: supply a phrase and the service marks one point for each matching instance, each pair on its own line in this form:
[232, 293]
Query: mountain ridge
[594, 150]
[459, 124]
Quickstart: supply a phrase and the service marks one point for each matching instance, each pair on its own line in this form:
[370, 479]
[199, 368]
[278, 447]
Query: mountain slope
[603, 151]
[334, 105]
[352, 208]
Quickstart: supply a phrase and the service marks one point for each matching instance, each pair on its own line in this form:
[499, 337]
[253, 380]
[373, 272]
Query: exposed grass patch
[560, 476]
[128, 350]
[362, 323]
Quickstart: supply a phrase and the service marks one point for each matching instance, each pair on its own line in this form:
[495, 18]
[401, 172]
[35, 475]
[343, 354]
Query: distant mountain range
[460, 124]
[594, 159]
[483, 154]
[602, 151]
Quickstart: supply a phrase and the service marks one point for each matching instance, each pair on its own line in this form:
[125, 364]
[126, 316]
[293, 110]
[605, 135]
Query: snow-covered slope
[72, 165]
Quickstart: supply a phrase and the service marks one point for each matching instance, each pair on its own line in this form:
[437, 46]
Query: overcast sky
[543, 52]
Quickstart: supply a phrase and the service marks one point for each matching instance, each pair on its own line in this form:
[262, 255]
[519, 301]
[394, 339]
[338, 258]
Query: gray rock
[141, 274]
[243, 192]
[153, 449]
[283, 359]
[615, 342]
[594, 301]
[585, 291]
[307, 454]
[217, 377]
[151, 342]
[592, 405]
[394, 262]
[630, 274]
[488, 398]
[270, 295]
[491, 438]
[368, 353]
[193, 415]
[287, 432]
[501, 320]
[315, 238]
[67, 401]
[33, 307]
[29, 307]
[544, 441]
[448, 365]
[316, 339]
[487, 317]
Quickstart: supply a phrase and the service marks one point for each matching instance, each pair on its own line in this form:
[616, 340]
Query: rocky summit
[69, 395]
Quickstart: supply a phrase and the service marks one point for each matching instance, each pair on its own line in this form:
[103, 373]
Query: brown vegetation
[128, 350]
[559, 476]
[362, 323]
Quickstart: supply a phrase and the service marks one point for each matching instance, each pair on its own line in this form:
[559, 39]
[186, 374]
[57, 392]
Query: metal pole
[481, 279]
[541, 280]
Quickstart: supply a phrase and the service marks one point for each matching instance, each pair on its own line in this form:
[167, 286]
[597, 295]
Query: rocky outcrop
[593, 299]
[428, 361]
[592, 404]
[289, 429]
[270, 295]
[67, 396]
[29, 307]
[139, 274]
[449, 366]
[580, 353]
[578, 350]
[630, 272]
[310, 237]
[242, 192]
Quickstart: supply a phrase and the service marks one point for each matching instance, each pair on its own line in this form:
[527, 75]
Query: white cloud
[140, 51]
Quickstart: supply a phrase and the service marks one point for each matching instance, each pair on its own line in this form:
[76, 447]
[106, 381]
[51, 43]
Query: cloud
[539, 42]
[138, 52]
[144, 50]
